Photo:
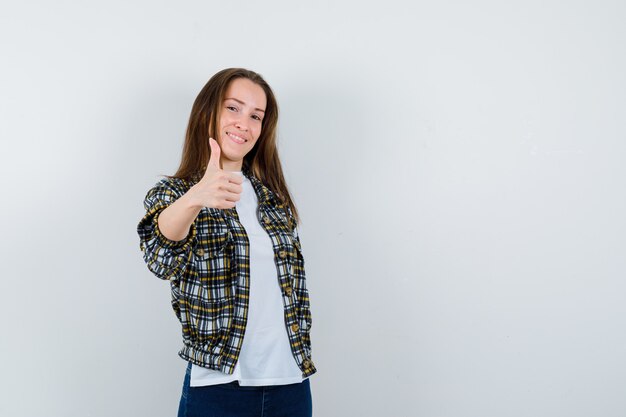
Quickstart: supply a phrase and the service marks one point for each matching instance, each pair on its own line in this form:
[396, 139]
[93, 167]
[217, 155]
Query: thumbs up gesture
[218, 188]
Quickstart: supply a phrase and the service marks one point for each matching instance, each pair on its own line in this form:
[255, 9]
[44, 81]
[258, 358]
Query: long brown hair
[262, 160]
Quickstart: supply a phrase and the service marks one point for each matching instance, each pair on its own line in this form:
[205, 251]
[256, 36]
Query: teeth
[236, 137]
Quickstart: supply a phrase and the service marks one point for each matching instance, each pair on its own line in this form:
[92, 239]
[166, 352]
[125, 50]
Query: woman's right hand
[218, 188]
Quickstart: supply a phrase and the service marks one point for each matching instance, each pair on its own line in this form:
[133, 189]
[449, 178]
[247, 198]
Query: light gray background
[459, 167]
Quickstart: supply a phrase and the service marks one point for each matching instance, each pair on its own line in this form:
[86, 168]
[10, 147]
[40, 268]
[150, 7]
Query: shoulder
[167, 190]
[173, 184]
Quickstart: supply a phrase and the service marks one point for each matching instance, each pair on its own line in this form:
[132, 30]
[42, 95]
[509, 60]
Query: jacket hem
[206, 360]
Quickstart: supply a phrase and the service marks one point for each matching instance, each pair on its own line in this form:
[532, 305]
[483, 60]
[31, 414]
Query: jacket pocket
[209, 320]
[211, 240]
[295, 259]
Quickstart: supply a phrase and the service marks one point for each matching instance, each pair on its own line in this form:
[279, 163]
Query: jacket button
[282, 254]
[295, 327]
[288, 291]
[200, 252]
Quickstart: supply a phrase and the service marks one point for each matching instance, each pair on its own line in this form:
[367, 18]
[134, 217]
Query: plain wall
[459, 168]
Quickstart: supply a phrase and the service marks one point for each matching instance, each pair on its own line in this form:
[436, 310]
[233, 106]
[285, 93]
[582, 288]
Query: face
[242, 112]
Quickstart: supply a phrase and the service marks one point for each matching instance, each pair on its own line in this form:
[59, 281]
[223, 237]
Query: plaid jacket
[209, 274]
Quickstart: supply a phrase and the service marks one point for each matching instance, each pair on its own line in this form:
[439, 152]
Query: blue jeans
[233, 400]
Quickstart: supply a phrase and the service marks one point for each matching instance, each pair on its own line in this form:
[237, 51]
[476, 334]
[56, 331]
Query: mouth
[237, 139]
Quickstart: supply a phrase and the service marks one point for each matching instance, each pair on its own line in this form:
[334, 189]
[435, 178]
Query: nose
[241, 124]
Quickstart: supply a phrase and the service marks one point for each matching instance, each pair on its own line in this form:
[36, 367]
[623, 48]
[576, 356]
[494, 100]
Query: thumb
[216, 152]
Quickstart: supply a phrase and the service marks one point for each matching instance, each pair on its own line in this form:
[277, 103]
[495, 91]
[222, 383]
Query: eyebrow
[241, 102]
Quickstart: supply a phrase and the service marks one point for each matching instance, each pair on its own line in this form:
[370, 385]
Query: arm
[167, 231]
[166, 241]
[175, 221]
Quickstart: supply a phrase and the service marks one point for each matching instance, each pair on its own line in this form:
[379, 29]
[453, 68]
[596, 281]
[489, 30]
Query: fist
[218, 188]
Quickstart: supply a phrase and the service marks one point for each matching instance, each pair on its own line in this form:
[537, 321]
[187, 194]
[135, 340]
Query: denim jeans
[233, 400]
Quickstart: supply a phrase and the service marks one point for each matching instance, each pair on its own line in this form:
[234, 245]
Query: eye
[255, 117]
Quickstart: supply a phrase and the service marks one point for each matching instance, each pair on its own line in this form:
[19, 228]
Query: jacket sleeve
[165, 258]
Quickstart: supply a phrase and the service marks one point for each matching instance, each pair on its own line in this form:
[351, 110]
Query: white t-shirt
[265, 357]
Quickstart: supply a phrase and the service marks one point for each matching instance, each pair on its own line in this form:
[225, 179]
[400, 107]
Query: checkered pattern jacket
[209, 274]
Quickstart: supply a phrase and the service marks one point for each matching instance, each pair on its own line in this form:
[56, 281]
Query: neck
[231, 165]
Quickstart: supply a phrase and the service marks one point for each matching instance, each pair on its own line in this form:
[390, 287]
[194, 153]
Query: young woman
[223, 231]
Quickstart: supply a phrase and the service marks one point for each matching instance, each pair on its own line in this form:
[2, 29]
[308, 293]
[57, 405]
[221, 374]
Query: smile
[236, 139]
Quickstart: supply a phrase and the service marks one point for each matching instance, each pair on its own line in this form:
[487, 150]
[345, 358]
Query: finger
[235, 178]
[228, 196]
[214, 160]
[233, 188]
